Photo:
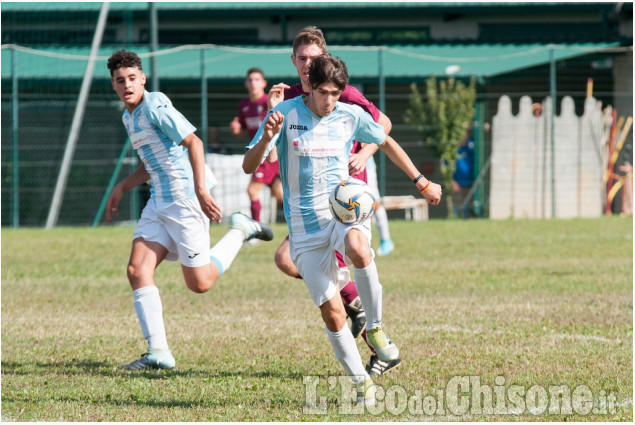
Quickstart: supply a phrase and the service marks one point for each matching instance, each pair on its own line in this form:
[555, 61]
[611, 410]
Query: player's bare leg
[276, 189]
[200, 279]
[348, 291]
[283, 260]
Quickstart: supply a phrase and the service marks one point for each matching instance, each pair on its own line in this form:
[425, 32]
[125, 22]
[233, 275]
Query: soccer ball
[352, 202]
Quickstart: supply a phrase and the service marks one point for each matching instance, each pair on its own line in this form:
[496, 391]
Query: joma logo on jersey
[297, 127]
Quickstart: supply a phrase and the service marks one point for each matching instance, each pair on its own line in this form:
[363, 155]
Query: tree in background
[443, 116]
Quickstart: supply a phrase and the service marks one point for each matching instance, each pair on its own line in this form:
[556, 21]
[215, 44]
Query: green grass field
[522, 307]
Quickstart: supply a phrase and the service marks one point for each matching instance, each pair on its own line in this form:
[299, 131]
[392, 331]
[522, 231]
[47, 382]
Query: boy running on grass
[313, 137]
[175, 222]
[309, 44]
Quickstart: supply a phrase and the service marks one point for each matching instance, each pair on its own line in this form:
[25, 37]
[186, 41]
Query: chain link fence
[40, 90]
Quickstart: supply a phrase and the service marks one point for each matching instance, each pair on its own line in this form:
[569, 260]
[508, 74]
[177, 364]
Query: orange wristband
[426, 187]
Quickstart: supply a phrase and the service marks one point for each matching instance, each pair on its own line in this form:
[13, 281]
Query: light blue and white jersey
[313, 153]
[371, 164]
[156, 130]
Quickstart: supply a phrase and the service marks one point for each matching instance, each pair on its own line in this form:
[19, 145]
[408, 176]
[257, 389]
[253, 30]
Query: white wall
[520, 177]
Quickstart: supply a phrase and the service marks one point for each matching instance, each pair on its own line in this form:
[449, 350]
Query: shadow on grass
[208, 402]
[90, 367]
[69, 367]
[132, 401]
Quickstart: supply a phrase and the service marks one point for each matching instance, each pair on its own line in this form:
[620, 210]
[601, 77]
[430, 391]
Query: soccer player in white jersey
[175, 222]
[308, 44]
[313, 136]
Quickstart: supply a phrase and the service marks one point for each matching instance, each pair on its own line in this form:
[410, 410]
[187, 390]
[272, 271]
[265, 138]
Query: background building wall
[46, 104]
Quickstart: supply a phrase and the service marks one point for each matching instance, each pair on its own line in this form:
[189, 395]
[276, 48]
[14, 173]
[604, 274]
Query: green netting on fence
[48, 82]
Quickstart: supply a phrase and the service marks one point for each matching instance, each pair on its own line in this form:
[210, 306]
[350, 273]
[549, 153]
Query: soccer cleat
[376, 367]
[385, 247]
[366, 393]
[250, 227]
[153, 359]
[386, 350]
[355, 311]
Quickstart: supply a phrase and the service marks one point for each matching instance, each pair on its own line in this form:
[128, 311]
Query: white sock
[223, 253]
[147, 304]
[370, 293]
[347, 354]
[381, 222]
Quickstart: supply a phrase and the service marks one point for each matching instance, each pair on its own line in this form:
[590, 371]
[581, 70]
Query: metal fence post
[382, 108]
[479, 155]
[78, 116]
[111, 183]
[154, 45]
[204, 100]
[552, 90]
[15, 159]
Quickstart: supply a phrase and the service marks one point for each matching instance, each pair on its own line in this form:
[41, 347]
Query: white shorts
[181, 227]
[314, 256]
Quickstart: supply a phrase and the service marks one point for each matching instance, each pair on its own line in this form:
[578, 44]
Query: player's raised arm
[254, 156]
[196, 153]
[385, 122]
[430, 191]
[357, 161]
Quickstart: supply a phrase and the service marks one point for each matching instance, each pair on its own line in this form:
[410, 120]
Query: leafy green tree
[443, 116]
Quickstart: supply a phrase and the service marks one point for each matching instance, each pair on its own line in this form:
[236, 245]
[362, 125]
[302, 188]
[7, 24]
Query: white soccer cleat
[153, 359]
[250, 227]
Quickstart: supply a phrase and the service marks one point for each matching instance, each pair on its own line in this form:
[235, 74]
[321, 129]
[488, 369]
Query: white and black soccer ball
[352, 202]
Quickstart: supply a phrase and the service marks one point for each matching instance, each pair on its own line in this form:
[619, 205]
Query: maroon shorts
[266, 173]
[340, 260]
[363, 176]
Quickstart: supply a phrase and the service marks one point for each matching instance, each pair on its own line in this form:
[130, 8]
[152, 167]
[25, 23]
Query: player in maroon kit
[308, 44]
[251, 111]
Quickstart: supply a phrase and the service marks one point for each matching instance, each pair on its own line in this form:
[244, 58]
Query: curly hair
[123, 59]
[328, 69]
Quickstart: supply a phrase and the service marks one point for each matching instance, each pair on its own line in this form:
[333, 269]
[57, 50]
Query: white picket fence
[521, 167]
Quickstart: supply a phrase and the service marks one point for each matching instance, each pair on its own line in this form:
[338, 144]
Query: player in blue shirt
[313, 137]
[175, 222]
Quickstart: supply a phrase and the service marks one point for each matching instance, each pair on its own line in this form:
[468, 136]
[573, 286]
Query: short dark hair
[253, 70]
[309, 35]
[123, 59]
[328, 69]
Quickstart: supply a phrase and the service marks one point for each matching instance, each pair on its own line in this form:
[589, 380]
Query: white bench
[416, 208]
